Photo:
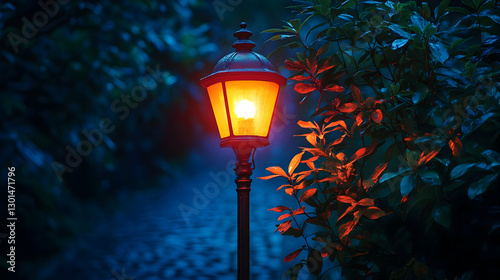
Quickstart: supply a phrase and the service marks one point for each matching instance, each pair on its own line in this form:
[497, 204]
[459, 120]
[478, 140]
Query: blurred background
[118, 169]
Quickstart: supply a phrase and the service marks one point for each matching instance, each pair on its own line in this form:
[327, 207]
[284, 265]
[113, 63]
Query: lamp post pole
[243, 172]
[243, 90]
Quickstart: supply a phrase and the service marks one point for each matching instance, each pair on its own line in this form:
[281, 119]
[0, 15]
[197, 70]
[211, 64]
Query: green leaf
[487, 5]
[469, 125]
[442, 214]
[397, 29]
[387, 176]
[293, 271]
[418, 96]
[459, 10]
[292, 45]
[426, 10]
[468, 3]
[419, 22]
[460, 170]
[280, 37]
[481, 186]
[295, 23]
[442, 7]
[398, 43]
[492, 157]
[477, 3]
[325, 4]
[430, 177]
[407, 184]
[274, 30]
[450, 187]
[438, 52]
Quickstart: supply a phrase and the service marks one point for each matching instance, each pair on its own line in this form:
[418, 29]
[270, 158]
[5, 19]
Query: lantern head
[243, 90]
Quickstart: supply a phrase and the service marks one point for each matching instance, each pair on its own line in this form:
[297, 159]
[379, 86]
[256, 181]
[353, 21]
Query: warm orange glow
[244, 109]
[251, 106]
[216, 96]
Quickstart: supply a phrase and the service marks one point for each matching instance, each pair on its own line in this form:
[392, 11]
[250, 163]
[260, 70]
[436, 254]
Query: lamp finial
[243, 43]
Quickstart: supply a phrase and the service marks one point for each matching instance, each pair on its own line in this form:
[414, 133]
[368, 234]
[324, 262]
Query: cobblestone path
[151, 240]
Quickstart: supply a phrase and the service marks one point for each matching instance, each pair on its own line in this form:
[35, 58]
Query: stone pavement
[151, 239]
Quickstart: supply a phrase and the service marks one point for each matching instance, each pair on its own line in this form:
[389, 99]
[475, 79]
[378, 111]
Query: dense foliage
[101, 99]
[399, 177]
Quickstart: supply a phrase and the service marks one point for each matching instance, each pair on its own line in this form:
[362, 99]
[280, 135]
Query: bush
[401, 177]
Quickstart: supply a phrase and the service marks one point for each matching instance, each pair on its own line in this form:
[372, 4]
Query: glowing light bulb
[244, 109]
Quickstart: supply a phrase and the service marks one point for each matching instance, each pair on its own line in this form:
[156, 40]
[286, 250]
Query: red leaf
[356, 94]
[348, 107]
[289, 191]
[267, 177]
[341, 123]
[366, 202]
[290, 257]
[347, 211]
[312, 65]
[359, 119]
[299, 211]
[334, 88]
[300, 186]
[404, 199]
[326, 66]
[363, 152]
[303, 88]
[336, 102]
[337, 141]
[346, 228]
[282, 186]
[294, 162]
[293, 65]
[378, 171]
[284, 216]
[345, 199]
[455, 146]
[284, 226]
[307, 194]
[377, 116]
[311, 138]
[327, 212]
[299, 78]
[278, 209]
[304, 124]
[423, 159]
[310, 159]
[277, 170]
[374, 212]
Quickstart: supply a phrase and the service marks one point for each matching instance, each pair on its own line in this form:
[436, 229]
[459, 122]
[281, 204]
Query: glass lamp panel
[251, 106]
[216, 96]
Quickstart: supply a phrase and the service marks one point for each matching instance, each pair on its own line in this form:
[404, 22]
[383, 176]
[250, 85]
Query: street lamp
[243, 90]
